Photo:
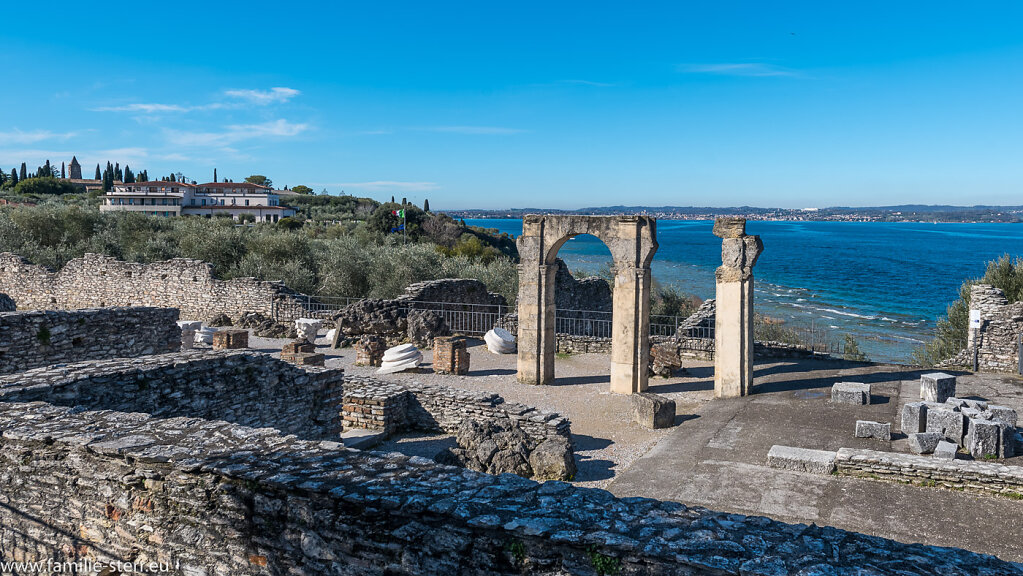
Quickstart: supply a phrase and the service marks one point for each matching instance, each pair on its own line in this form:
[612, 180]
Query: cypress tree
[172, 178]
[62, 176]
[24, 171]
[98, 177]
[426, 205]
[214, 175]
[404, 202]
[392, 199]
[14, 176]
[47, 171]
[129, 178]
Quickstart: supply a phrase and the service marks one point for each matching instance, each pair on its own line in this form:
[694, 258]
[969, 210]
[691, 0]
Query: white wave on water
[850, 314]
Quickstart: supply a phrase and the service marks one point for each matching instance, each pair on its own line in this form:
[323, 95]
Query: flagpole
[404, 233]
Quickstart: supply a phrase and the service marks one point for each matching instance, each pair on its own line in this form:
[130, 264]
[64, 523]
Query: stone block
[937, 387]
[947, 422]
[1007, 444]
[924, 442]
[1003, 414]
[653, 410]
[967, 403]
[729, 227]
[870, 429]
[801, 460]
[945, 450]
[983, 438]
[850, 393]
[914, 417]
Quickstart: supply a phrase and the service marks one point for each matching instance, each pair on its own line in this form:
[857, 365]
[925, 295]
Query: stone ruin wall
[112, 486]
[42, 338]
[1001, 324]
[97, 281]
[433, 408]
[232, 385]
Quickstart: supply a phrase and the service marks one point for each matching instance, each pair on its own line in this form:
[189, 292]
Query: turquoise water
[884, 283]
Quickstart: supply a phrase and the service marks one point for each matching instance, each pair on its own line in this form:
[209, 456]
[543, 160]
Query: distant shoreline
[709, 218]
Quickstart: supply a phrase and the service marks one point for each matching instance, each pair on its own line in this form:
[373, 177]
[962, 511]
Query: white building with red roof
[234, 199]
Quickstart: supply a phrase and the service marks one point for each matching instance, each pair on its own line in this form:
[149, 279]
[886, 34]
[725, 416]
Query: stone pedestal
[230, 339]
[188, 330]
[450, 355]
[369, 351]
[733, 321]
[292, 349]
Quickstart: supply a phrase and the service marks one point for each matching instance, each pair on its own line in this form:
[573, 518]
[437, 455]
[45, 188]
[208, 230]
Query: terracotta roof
[249, 185]
[159, 183]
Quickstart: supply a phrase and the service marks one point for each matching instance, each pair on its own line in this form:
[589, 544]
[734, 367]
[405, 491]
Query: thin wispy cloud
[749, 69]
[237, 99]
[264, 97]
[589, 83]
[472, 130]
[385, 186]
[151, 108]
[236, 133]
[18, 137]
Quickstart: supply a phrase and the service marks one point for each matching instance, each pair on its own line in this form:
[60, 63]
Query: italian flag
[398, 213]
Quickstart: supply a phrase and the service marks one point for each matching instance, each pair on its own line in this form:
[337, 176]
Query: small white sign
[974, 319]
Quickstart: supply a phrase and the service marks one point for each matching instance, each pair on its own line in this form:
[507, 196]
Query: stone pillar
[188, 330]
[630, 344]
[733, 321]
[536, 338]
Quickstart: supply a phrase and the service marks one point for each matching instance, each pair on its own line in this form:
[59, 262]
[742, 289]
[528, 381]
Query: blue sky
[531, 104]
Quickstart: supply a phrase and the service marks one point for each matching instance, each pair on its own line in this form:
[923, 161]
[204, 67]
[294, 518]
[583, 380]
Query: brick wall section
[97, 281]
[441, 409]
[1001, 324]
[969, 475]
[40, 338]
[113, 486]
[382, 407]
[249, 389]
[450, 355]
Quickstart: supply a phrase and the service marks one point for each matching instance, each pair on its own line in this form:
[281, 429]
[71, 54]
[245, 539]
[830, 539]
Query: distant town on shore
[902, 213]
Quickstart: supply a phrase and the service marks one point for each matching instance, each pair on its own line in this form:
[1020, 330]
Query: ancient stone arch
[632, 241]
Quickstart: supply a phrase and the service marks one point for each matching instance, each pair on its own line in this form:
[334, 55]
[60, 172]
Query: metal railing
[478, 319]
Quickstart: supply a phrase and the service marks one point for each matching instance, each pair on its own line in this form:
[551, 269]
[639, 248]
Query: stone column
[733, 321]
[536, 338]
[188, 330]
[630, 345]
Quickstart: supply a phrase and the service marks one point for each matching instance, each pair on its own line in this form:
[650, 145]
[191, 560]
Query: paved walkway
[717, 459]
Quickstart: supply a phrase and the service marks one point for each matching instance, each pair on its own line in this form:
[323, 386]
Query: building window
[246, 201]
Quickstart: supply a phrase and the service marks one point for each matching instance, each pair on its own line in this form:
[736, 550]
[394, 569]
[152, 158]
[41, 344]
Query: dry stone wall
[41, 338]
[997, 338]
[211, 497]
[97, 281]
[969, 475]
[436, 408]
[244, 388]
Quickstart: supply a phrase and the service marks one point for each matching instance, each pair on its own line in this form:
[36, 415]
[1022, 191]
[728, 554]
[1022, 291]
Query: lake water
[884, 283]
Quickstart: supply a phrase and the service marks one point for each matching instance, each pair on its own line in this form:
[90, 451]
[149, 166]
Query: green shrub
[952, 329]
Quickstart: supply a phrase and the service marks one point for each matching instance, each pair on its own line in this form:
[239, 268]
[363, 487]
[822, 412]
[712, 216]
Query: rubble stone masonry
[40, 338]
[97, 281]
[211, 497]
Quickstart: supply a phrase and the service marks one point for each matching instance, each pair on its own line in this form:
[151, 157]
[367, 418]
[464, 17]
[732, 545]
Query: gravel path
[607, 440]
